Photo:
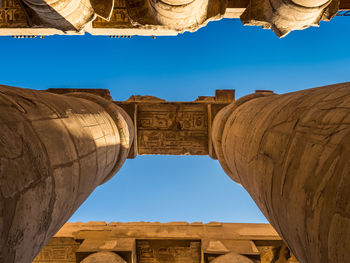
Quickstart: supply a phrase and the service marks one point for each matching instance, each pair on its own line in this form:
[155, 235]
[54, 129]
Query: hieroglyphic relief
[174, 128]
[119, 18]
[171, 128]
[168, 251]
[11, 14]
[272, 251]
[58, 250]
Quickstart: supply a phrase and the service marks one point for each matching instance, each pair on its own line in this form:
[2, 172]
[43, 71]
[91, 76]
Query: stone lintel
[169, 128]
[174, 128]
[144, 242]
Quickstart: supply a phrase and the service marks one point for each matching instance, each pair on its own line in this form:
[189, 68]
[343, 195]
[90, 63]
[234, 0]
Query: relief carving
[58, 250]
[168, 251]
[12, 15]
[119, 17]
[173, 129]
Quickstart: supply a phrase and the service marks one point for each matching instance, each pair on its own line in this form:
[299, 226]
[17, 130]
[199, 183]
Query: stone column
[178, 15]
[291, 153]
[103, 257]
[284, 16]
[232, 258]
[54, 151]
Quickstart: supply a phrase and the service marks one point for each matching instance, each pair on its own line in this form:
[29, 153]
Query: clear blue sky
[224, 55]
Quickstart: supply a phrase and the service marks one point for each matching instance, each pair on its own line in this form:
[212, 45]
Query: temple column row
[282, 16]
[291, 153]
[54, 151]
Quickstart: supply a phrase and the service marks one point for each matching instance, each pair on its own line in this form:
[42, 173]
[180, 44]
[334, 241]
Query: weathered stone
[178, 15]
[284, 16]
[176, 128]
[54, 151]
[157, 17]
[232, 258]
[174, 242]
[291, 153]
[103, 257]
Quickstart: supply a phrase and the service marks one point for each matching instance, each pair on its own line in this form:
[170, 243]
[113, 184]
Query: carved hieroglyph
[175, 242]
[58, 250]
[54, 151]
[174, 251]
[284, 16]
[176, 128]
[291, 153]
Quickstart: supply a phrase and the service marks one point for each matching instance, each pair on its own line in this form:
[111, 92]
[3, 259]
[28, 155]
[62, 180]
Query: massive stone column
[291, 153]
[54, 151]
[284, 16]
[179, 15]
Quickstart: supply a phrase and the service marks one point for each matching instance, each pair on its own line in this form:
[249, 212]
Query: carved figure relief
[57, 251]
[173, 129]
[168, 251]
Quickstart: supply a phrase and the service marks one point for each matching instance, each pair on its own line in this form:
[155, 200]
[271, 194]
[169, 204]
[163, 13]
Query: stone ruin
[125, 18]
[289, 151]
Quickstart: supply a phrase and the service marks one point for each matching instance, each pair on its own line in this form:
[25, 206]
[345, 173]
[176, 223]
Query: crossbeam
[169, 128]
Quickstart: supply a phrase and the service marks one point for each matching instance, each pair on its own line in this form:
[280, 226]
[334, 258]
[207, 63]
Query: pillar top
[169, 127]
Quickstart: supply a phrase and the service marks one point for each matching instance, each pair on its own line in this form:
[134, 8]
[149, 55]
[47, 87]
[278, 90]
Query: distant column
[284, 16]
[178, 15]
[54, 151]
[103, 257]
[232, 258]
[291, 153]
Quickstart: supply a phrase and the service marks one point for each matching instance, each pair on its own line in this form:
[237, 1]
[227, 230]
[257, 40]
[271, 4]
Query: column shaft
[284, 16]
[291, 153]
[54, 151]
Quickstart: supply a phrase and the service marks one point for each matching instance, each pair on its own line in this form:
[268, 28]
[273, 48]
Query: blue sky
[224, 55]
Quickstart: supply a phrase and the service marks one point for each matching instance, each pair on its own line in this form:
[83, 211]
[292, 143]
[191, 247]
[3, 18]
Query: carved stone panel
[173, 128]
[170, 128]
[168, 251]
[58, 250]
[11, 14]
[119, 17]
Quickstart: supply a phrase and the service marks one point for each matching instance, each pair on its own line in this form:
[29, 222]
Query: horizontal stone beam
[169, 128]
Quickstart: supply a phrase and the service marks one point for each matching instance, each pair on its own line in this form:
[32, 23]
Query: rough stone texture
[54, 151]
[103, 257]
[175, 242]
[156, 17]
[59, 250]
[178, 15]
[270, 253]
[175, 128]
[291, 153]
[284, 16]
[66, 14]
[232, 258]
